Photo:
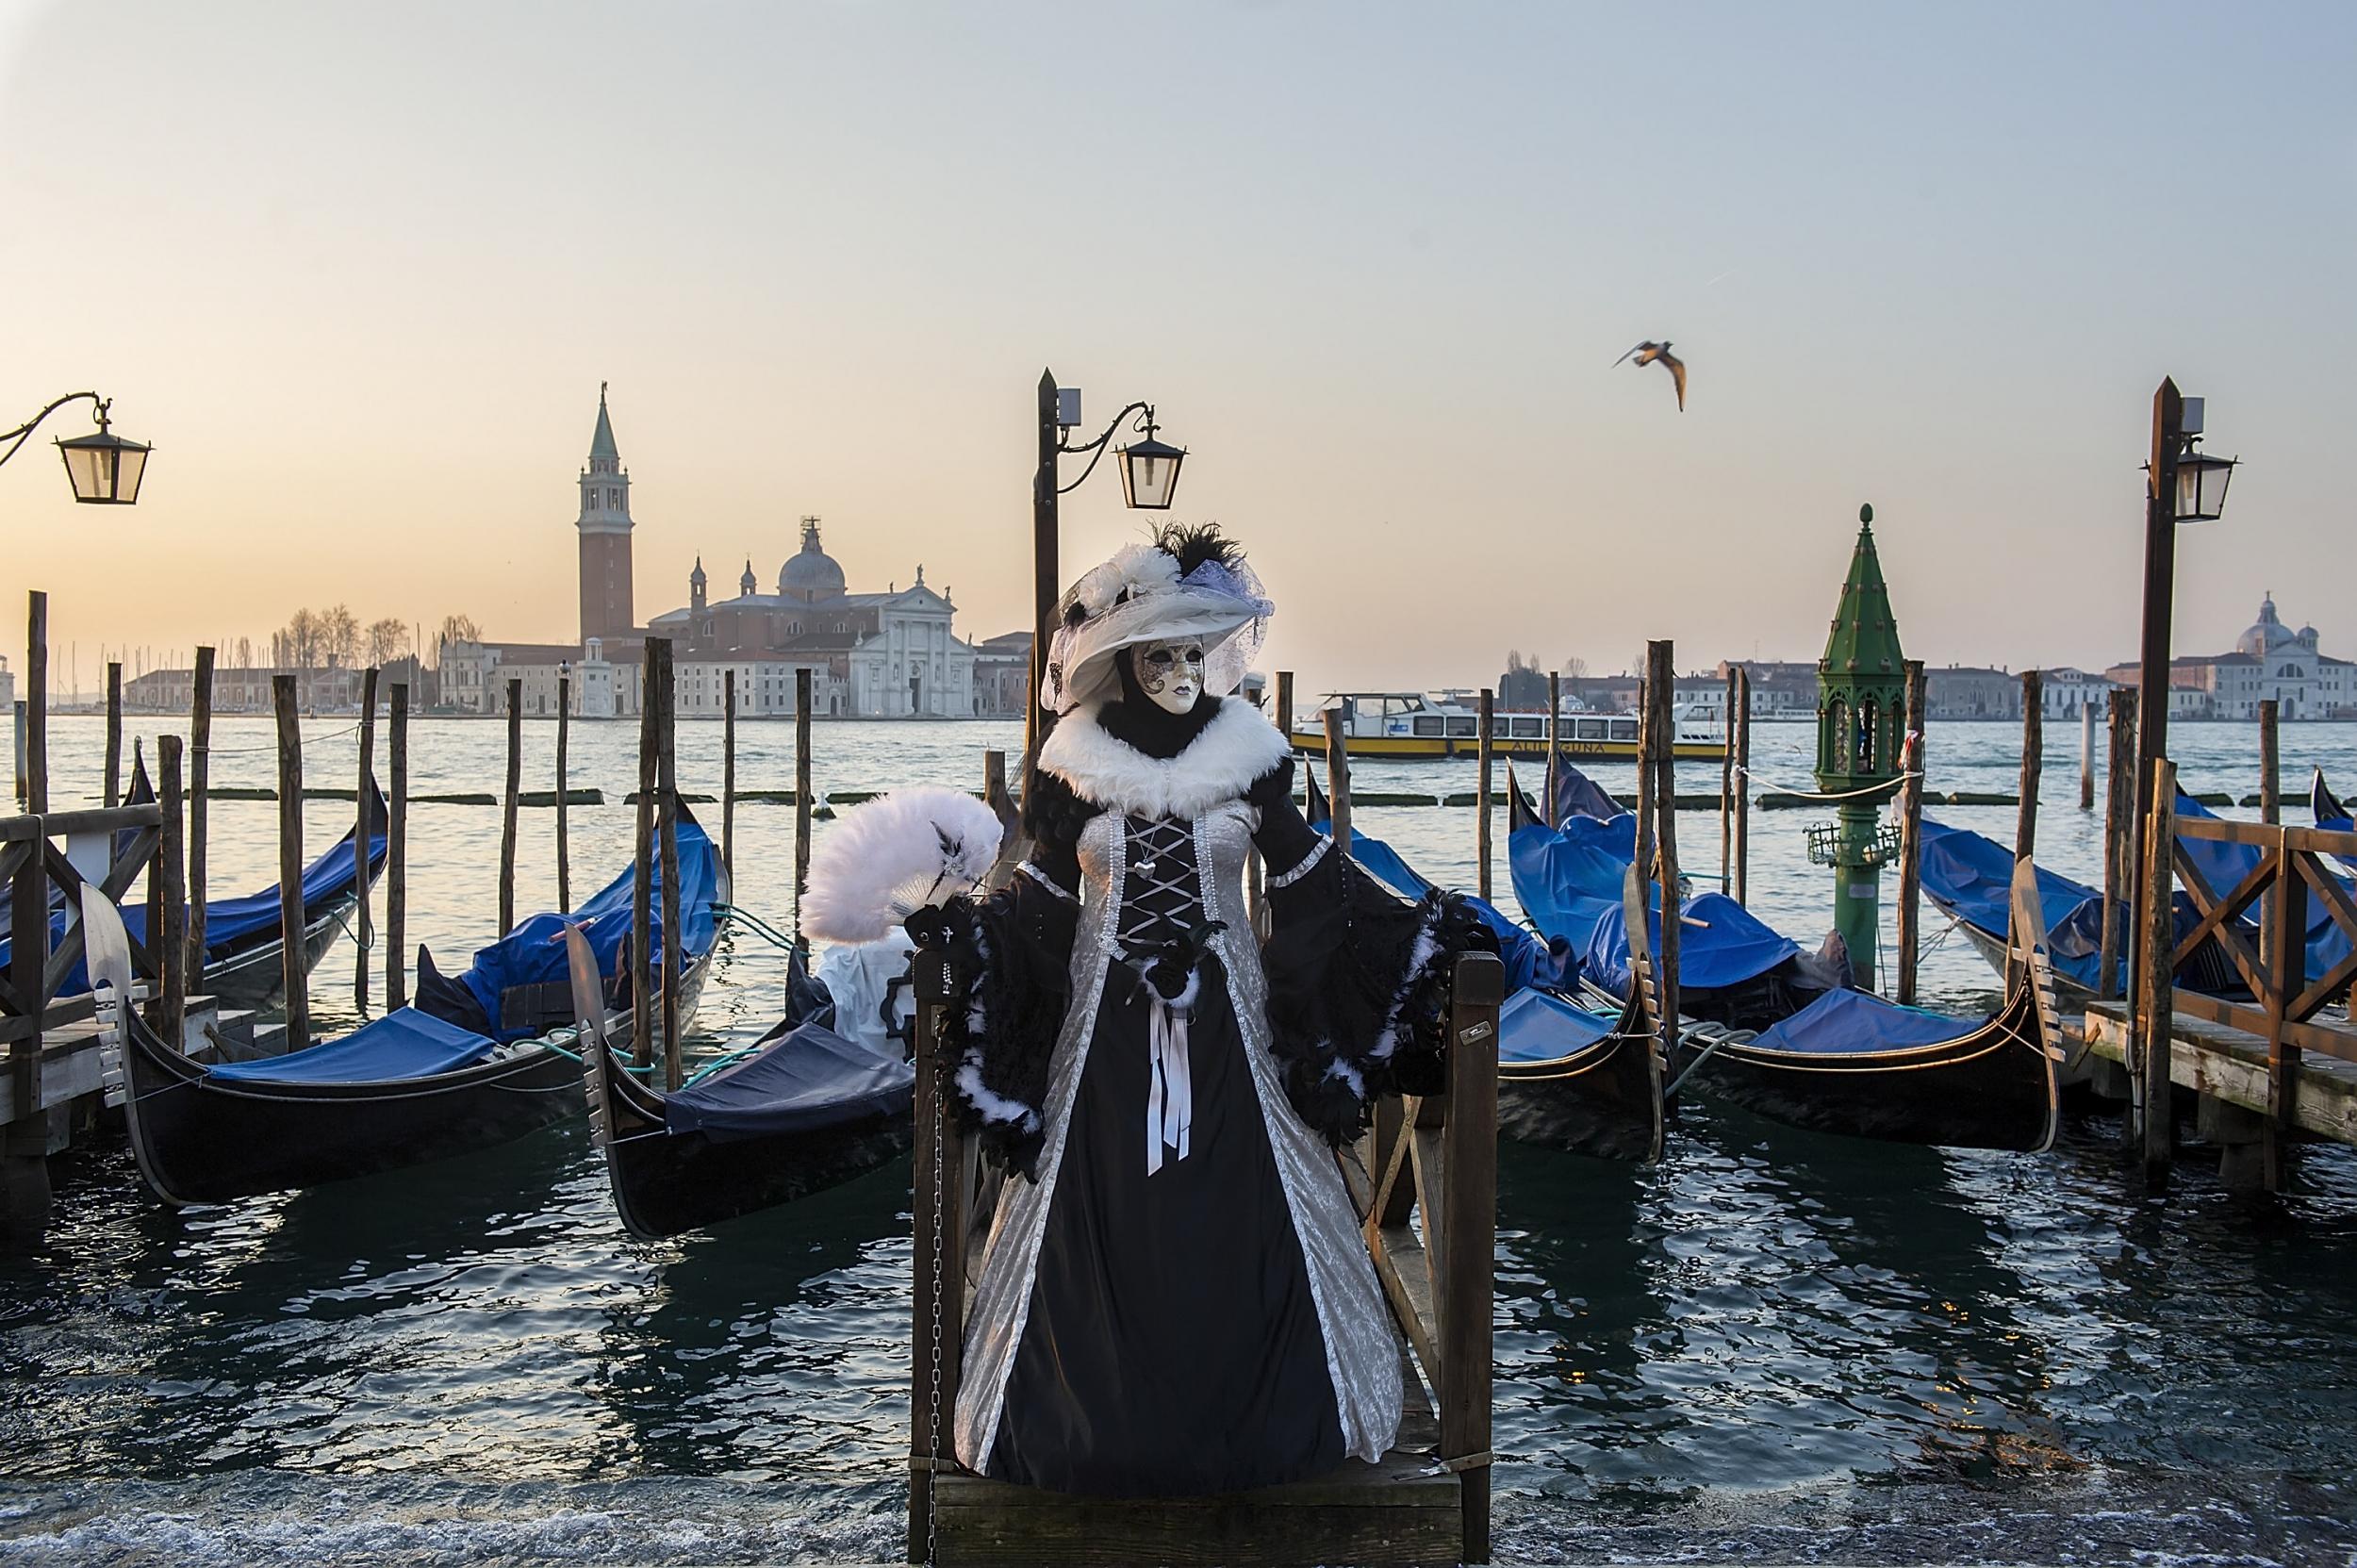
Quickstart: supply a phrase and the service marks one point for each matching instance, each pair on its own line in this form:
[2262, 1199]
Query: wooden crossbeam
[2204, 900]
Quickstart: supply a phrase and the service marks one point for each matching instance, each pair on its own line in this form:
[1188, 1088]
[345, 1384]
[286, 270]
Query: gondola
[1834, 1059]
[1568, 1077]
[242, 946]
[805, 1109]
[477, 1059]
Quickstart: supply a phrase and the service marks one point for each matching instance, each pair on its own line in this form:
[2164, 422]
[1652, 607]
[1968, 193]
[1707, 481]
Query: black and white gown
[1179, 1301]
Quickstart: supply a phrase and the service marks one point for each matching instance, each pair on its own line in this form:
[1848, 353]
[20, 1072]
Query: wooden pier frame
[1910, 910]
[294, 971]
[397, 850]
[1428, 1502]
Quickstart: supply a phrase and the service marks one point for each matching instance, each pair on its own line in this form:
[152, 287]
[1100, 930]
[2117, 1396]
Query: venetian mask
[1172, 674]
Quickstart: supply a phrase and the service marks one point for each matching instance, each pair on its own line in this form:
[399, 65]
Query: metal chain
[932, 1460]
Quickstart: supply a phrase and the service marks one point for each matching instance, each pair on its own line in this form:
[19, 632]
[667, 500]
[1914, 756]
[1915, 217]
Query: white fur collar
[1220, 764]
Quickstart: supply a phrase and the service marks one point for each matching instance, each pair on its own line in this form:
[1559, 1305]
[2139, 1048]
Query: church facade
[2269, 662]
[894, 655]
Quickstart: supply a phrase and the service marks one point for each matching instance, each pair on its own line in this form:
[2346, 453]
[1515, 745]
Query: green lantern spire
[1861, 700]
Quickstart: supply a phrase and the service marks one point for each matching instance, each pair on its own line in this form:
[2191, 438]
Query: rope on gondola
[758, 926]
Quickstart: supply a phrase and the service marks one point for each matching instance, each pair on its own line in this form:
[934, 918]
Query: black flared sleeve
[1016, 948]
[1357, 975]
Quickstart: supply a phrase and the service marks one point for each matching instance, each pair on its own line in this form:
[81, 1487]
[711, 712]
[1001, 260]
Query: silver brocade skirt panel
[1360, 1356]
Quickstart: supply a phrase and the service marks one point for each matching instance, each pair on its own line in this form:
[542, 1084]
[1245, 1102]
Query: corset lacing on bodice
[1161, 937]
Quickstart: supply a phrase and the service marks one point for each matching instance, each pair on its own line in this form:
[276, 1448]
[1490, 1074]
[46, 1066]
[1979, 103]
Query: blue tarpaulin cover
[1528, 960]
[1540, 1026]
[810, 1080]
[1842, 1023]
[1971, 876]
[1577, 795]
[1569, 881]
[403, 1044]
[533, 952]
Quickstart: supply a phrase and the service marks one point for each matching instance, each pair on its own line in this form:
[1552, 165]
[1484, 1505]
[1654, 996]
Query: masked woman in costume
[1175, 1297]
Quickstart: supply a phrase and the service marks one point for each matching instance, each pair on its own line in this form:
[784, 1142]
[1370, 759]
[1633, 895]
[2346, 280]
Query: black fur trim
[1022, 991]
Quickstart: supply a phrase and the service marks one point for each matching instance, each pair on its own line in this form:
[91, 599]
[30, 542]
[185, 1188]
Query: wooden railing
[37, 866]
[2261, 926]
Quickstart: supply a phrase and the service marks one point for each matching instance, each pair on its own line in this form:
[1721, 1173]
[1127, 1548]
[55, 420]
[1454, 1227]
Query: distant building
[890, 654]
[1780, 689]
[331, 688]
[2065, 692]
[1002, 676]
[2268, 660]
[1972, 691]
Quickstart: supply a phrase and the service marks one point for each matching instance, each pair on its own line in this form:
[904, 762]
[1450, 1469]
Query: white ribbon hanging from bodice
[1170, 1101]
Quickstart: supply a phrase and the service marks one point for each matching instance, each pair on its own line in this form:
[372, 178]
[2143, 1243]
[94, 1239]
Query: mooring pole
[509, 801]
[802, 806]
[2120, 793]
[1726, 787]
[564, 847]
[199, 780]
[2025, 817]
[293, 971]
[1740, 887]
[1045, 590]
[2087, 755]
[1485, 748]
[37, 703]
[1911, 835]
[172, 943]
[674, 961]
[114, 733]
[2156, 1007]
[1337, 780]
[1554, 743]
[2159, 573]
[363, 830]
[397, 851]
[1660, 686]
[728, 768]
[642, 862]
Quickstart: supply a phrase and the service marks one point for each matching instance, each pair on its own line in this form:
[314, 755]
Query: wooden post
[1285, 703]
[2156, 994]
[1468, 1260]
[1045, 589]
[728, 770]
[1485, 748]
[1911, 836]
[2283, 915]
[199, 780]
[642, 862]
[937, 1325]
[18, 747]
[397, 851]
[28, 963]
[564, 847]
[363, 830]
[2119, 794]
[1555, 740]
[294, 972]
[37, 705]
[1337, 780]
[2086, 756]
[1661, 729]
[672, 959]
[1726, 789]
[1740, 887]
[2270, 771]
[1643, 859]
[114, 733]
[508, 802]
[801, 794]
[2025, 817]
[172, 946]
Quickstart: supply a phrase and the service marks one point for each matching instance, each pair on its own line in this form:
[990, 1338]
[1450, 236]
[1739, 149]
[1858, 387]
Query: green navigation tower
[1861, 698]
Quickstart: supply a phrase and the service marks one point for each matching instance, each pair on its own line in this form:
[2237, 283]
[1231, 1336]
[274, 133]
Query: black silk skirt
[1172, 1346]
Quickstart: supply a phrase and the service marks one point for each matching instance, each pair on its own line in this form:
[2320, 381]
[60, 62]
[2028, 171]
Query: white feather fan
[891, 857]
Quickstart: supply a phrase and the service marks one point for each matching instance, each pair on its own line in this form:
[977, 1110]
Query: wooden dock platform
[2222, 1062]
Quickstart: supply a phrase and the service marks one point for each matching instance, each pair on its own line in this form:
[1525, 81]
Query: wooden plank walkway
[2231, 1064]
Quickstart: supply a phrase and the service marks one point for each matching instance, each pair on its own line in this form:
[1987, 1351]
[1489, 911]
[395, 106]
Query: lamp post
[104, 467]
[2184, 484]
[1149, 482]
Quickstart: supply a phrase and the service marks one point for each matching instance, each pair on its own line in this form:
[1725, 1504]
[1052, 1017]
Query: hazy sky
[356, 271]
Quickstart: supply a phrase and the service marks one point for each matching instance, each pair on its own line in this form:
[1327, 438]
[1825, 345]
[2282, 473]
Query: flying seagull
[1648, 353]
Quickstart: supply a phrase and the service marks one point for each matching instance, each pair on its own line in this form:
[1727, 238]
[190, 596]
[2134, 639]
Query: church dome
[811, 574]
[2265, 633]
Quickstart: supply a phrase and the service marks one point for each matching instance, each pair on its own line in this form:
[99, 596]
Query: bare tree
[296, 645]
[1574, 667]
[460, 628]
[387, 639]
[339, 636]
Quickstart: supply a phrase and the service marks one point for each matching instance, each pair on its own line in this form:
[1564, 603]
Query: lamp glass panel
[131, 469]
[2201, 488]
[1149, 474]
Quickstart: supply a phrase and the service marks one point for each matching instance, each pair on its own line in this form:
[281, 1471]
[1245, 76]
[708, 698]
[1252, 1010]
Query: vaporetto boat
[1412, 724]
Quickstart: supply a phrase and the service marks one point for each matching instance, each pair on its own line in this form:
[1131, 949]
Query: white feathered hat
[1190, 583]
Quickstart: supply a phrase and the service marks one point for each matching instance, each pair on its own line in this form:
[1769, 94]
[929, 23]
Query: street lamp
[104, 469]
[2182, 485]
[1149, 482]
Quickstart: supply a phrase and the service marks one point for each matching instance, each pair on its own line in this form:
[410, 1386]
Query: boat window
[1463, 728]
[1593, 729]
[1427, 724]
[1624, 729]
[1529, 729]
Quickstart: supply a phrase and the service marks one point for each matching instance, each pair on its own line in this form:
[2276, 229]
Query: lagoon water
[1772, 1346]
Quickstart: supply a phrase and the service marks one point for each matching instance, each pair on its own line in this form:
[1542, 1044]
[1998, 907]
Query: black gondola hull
[667, 1183]
[1604, 1101]
[254, 974]
[1992, 1088]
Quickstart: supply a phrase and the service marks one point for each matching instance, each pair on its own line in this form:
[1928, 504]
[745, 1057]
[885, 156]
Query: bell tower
[608, 609]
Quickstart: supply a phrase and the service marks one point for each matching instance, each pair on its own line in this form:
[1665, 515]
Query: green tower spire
[1861, 700]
